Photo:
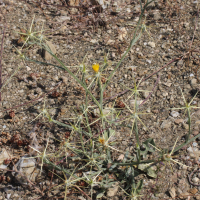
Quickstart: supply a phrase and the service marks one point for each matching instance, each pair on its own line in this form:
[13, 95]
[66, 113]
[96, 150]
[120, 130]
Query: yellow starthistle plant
[167, 157]
[187, 109]
[81, 67]
[69, 182]
[98, 76]
[92, 180]
[134, 115]
[107, 142]
[33, 36]
[44, 112]
[135, 90]
[42, 155]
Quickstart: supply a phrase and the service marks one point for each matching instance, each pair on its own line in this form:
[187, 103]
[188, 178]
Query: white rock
[121, 157]
[65, 79]
[145, 94]
[184, 167]
[165, 93]
[104, 4]
[28, 68]
[194, 144]
[168, 84]
[184, 194]
[172, 192]
[8, 195]
[195, 180]
[152, 44]
[81, 198]
[110, 42]
[149, 61]
[128, 10]
[190, 149]
[27, 167]
[174, 113]
[4, 155]
[133, 68]
[93, 41]
[63, 18]
[122, 33]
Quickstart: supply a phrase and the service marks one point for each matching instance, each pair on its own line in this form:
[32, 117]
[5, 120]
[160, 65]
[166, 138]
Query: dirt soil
[171, 39]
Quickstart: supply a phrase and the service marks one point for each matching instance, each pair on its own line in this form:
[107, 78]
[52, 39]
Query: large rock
[25, 169]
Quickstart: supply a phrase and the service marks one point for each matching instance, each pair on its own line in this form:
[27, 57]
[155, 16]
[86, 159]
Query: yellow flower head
[101, 140]
[95, 67]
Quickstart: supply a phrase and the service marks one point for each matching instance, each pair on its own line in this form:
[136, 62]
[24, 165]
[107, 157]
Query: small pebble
[28, 68]
[195, 133]
[186, 126]
[93, 41]
[194, 144]
[172, 192]
[197, 122]
[178, 121]
[190, 149]
[166, 124]
[174, 113]
[193, 81]
[63, 18]
[152, 44]
[195, 180]
[165, 93]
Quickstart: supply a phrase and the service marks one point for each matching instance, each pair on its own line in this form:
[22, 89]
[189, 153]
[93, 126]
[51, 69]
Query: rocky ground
[167, 56]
